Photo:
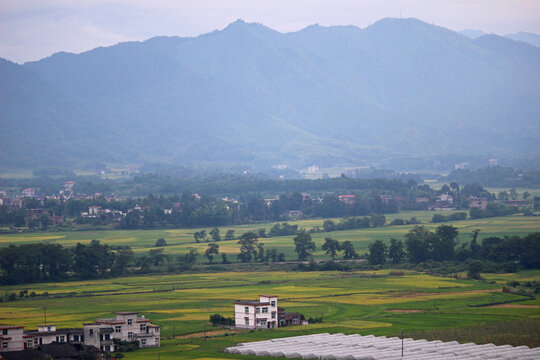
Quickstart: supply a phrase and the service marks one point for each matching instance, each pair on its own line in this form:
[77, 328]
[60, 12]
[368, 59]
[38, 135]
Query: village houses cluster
[125, 326]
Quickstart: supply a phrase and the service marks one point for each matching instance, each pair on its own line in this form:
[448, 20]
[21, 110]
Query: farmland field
[382, 302]
[181, 240]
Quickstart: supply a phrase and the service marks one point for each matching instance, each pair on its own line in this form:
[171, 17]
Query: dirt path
[208, 333]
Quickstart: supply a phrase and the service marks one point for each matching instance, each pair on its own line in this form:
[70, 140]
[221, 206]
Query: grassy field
[181, 240]
[369, 302]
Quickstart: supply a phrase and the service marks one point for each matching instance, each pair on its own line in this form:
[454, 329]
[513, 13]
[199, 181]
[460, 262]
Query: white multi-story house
[126, 326]
[12, 338]
[253, 314]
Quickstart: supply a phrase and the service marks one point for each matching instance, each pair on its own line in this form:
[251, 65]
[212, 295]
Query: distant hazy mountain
[471, 33]
[248, 94]
[530, 38]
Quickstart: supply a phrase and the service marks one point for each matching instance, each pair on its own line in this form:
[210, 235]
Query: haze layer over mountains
[249, 94]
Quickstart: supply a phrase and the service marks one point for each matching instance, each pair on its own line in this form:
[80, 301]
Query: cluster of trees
[438, 218]
[498, 176]
[53, 262]
[218, 319]
[352, 223]
[422, 245]
[252, 250]
[492, 210]
[332, 246]
[412, 221]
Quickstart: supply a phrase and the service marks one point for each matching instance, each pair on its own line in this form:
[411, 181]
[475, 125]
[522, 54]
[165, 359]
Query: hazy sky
[33, 29]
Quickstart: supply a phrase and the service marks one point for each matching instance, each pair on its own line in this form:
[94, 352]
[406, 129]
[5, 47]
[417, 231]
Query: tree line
[53, 262]
[422, 245]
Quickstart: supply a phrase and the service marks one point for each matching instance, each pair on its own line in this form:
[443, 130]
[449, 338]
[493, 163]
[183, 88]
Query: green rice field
[382, 302]
[181, 240]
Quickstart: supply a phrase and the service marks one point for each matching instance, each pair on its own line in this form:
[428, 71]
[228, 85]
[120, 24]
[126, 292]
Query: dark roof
[23, 355]
[57, 332]
[251, 302]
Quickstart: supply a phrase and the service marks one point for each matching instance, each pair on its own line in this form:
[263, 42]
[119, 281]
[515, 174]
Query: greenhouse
[355, 347]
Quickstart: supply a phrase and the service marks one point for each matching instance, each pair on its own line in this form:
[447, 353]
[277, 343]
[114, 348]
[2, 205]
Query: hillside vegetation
[248, 94]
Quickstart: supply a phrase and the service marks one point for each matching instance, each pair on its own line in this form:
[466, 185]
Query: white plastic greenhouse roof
[355, 347]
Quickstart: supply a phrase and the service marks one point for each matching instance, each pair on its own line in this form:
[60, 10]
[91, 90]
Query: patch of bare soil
[516, 306]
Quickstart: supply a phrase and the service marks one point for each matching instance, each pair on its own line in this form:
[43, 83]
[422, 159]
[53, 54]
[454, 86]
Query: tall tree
[229, 235]
[474, 247]
[377, 253]
[348, 250]
[445, 243]
[396, 253]
[214, 233]
[331, 247]
[211, 250]
[303, 245]
[418, 242]
[248, 242]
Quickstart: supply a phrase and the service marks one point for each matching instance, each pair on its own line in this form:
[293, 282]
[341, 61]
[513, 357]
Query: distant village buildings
[125, 326]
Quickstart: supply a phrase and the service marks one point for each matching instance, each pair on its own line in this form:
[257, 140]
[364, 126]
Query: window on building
[36, 341]
[4, 331]
[273, 315]
[265, 310]
[91, 331]
[48, 328]
[107, 336]
[101, 337]
[130, 335]
[157, 341]
[295, 321]
[130, 321]
[246, 310]
[246, 320]
[30, 343]
[62, 338]
[118, 329]
[273, 303]
[107, 348]
[75, 337]
[4, 345]
[263, 322]
[143, 327]
[257, 310]
[143, 341]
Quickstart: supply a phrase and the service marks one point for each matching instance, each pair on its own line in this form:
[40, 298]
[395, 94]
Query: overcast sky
[33, 29]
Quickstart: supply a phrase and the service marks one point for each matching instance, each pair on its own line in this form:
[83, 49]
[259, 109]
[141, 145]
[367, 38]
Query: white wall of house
[11, 338]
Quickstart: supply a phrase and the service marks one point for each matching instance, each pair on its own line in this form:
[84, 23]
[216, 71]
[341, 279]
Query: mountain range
[526, 37]
[250, 95]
